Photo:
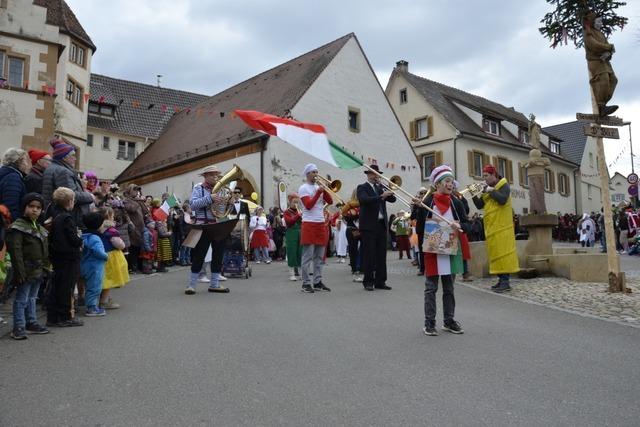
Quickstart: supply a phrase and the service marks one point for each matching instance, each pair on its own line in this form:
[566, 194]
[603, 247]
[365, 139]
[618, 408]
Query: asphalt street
[267, 354]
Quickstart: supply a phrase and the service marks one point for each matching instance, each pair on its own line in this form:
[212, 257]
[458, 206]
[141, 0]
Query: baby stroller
[236, 260]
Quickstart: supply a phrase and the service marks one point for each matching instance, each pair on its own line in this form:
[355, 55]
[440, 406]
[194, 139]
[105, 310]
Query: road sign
[600, 132]
[632, 178]
[606, 120]
[633, 190]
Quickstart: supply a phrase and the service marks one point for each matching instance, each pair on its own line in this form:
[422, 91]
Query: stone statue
[534, 132]
[535, 172]
[598, 52]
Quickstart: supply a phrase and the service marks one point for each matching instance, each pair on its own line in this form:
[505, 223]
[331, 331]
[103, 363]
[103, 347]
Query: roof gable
[138, 121]
[275, 91]
[573, 139]
[60, 14]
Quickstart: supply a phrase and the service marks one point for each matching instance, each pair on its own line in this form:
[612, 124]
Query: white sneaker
[257, 262]
[190, 291]
[268, 261]
[222, 278]
[203, 279]
[357, 279]
[293, 278]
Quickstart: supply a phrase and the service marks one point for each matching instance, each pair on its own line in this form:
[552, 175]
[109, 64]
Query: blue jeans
[504, 278]
[185, 254]
[261, 254]
[24, 306]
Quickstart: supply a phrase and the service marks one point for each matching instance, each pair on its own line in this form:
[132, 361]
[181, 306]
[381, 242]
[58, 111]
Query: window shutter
[412, 130]
[495, 162]
[568, 186]
[510, 171]
[430, 126]
[552, 184]
[439, 160]
[520, 175]
[470, 162]
[486, 159]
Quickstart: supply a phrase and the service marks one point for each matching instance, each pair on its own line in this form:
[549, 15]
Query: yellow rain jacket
[500, 235]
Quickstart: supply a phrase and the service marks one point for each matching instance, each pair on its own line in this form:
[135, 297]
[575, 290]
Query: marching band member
[444, 267]
[373, 230]
[402, 228]
[419, 214]
[498, 227]
[314, 230]
[292, 220]
[201, 201]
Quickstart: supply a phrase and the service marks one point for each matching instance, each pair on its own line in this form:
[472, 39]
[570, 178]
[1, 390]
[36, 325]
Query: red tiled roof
[60, 14]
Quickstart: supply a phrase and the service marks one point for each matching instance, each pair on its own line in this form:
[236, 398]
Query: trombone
[396, 188]
[332, 186]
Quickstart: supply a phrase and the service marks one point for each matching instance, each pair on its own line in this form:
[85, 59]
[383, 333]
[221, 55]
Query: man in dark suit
[373, 230]
[238, 207]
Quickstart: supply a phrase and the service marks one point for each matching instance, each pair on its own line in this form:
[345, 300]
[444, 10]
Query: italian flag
[308, 137]
[166, 206]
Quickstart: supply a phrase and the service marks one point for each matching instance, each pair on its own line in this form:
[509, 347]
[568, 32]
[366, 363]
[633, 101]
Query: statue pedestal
[540, 242]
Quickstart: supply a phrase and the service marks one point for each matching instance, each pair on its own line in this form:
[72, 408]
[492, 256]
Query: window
[126, 150]
[589, 191]
[563, 184]
[403, 96]
[502, 166]
[2, 56]
[354, 119]
[89, 140]
[74, 93]
[420, 128]
[554, 147]
[524, 175]
[105, 143]
[491, 126]
[524, 136]
[429, 161]
[476, 160]
[101, 109]
[16, 71]
[76, 54]
[591, 159]
[549, 181]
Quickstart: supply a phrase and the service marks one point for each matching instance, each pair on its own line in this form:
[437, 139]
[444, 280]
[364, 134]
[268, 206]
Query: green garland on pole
[565, 22]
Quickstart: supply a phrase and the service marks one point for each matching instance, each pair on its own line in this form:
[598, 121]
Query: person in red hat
[40, 160]
[498, 227]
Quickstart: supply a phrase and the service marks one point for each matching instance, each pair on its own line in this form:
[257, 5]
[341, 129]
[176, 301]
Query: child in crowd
[123, 224]
[163, 254]
[93, 261]
[402, 230]
[116, 270]
[28, 247]
[65, 248]
[259, 236]
[149, 245]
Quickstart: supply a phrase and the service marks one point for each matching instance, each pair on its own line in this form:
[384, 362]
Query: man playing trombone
[313, 232]
[373, 229]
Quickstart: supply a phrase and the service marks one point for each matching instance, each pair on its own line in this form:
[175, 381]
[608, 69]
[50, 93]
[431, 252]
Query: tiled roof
[137, 121]
[275, 91]
[444, 98]
[60, 14]
[573, 139]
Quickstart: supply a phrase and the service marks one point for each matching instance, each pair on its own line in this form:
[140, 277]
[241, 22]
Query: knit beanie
[93, 220]
[60, 148]
[36, 155]
[30, 197]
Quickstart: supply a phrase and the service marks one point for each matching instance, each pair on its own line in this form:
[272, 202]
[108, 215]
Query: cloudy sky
[490, 48]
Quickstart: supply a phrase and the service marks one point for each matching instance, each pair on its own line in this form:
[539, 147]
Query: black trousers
[420, 253]
[133, 259]
[352, 247]
[200, 252]
[374, 255]
[448, 299]
[65, 276]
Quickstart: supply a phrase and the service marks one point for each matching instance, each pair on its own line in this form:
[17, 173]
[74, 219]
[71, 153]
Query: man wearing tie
[373, 230]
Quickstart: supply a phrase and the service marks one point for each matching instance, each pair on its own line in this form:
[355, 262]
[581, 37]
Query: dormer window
[554, 147]
[101, 109]
[491, 126]
[524, 136]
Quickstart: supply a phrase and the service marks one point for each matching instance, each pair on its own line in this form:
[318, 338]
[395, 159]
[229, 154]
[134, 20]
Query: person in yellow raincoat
[498, 227]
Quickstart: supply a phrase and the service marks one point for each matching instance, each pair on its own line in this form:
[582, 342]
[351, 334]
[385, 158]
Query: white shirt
[375, 190]
[316, 214]
[258, 223]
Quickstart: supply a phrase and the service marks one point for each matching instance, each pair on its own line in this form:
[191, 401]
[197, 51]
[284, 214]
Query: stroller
[236, 260]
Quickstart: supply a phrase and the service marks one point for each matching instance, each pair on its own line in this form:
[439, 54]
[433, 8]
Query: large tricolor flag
[308, 137]
[162, 213]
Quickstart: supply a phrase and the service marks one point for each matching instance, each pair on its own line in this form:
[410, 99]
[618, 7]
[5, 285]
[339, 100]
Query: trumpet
[332, 186]
[392, 184]
[222, 209]
[473, 189]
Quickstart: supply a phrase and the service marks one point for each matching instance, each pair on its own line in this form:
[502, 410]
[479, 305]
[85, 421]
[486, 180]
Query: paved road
[267, 354]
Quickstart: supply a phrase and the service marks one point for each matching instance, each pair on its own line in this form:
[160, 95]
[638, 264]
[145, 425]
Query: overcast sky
[490, 48]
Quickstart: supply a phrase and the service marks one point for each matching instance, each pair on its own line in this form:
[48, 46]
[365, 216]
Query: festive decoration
[565, 22]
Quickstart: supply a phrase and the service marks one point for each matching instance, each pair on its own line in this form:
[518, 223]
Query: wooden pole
[616, 278]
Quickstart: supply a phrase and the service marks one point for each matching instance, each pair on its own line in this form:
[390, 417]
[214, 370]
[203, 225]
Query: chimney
[402, 66]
